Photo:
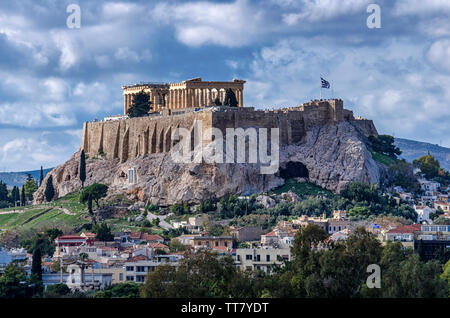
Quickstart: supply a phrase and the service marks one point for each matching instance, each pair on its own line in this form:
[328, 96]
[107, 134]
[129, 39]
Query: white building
[423, 213]
[429, 187]
[262, 258]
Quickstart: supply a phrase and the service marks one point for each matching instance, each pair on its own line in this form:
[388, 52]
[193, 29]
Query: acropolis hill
[123, 138]
[320, 136]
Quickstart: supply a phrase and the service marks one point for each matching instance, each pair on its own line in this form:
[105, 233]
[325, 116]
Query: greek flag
[376, 226]
[325, 83]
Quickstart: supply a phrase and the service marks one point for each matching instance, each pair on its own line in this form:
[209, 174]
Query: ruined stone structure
[187, 94]
[319, 141]
[126, 139]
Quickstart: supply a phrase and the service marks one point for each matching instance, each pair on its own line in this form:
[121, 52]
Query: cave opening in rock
[294, 170]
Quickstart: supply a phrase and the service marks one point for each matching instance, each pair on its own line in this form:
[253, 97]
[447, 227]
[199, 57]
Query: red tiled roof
[157, 245]
[138, 258]
[271, 234]
[70, 237]
[149, 237]
[135, 235]
[406, 229]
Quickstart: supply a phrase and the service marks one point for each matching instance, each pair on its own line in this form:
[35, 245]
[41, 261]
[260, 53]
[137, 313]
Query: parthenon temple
[187, 94]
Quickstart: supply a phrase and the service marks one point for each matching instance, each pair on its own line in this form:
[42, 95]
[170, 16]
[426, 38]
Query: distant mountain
[18, 178]
[412, 149]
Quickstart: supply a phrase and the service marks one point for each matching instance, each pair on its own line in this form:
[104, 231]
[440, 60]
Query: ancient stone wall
[126, 139]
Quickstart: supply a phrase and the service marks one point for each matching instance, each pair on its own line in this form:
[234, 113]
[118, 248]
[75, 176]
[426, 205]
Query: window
[239, 258]
[248, 257]
[140, 279]
[121, 277]
[258, 258]
[130, 278]
[140, 269]
[226, 244]
[130, 268]
[340, 228]
[217, 243]
[267, 258]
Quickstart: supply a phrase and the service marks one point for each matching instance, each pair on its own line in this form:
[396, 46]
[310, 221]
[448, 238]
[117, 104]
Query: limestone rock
[290, 196]
[266, 201]
[333, 155]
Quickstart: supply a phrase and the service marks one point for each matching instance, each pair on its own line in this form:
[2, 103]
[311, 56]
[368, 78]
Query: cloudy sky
[53, 78]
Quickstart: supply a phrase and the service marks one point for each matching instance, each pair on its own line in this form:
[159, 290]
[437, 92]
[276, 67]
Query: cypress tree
[23, 199]
[36, 265]
[230, 98]
[49, 190]
[41, 177]
[140, 106]
[82, 168]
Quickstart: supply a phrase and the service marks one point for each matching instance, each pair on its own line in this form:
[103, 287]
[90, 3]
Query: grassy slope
[386, 160]
[54, 217]
[302, 188]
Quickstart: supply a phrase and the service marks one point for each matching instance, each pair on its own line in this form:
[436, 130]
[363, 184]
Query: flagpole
[321, 88]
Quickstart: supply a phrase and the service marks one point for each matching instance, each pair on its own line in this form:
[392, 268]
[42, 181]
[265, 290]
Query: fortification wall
[130, 138]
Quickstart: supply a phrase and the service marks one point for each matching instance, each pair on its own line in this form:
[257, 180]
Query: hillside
[18, 178]
[412, 149]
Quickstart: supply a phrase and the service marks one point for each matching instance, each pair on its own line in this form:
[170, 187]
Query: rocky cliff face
[329, 156]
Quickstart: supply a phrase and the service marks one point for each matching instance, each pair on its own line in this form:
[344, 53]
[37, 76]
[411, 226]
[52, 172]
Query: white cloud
[375, 82]
[319, 10]
[439, 54]
[420, 7]
[30, 152]
[228, 24]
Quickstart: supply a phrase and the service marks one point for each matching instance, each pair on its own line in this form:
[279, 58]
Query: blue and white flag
[325, 83]
[376, 226]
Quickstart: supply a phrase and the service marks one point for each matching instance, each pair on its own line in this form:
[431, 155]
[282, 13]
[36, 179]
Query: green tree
[385, 144]
[57, 291]
[124, 290]
[53, 233]
[230, 98]
[429, 166]
[103, 232]
[49, 189]
[41, 176]
[200, 274]
[13, 282]
[16, 195]
[93, 193]
[401, 174]
[30, 187]
[140, 106]
[39, 241]
[82, 168]
[176, 246]
[3, 191]
[23, 198]
[217, 102]
[36, 265]
[307, 238]
[360, 212]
